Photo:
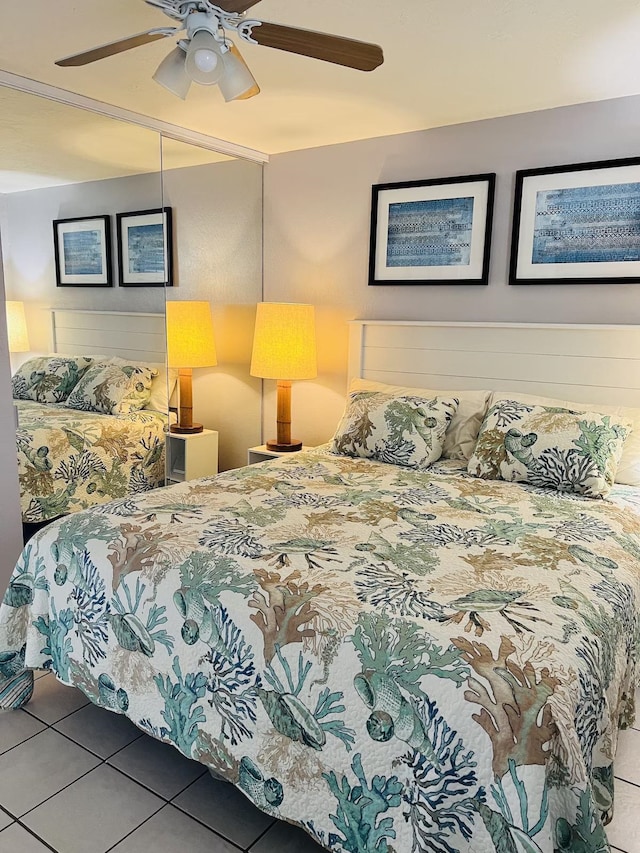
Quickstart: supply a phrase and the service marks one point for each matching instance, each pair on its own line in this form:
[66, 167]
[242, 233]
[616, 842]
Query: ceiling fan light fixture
[172, 74]
[238, 83]
[204, 59]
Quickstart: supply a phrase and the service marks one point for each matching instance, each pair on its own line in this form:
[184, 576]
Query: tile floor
[77, 779]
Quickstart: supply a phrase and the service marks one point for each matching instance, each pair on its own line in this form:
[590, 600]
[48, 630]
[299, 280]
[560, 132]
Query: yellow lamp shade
[190, 340]
[284, 343]
[17, 327]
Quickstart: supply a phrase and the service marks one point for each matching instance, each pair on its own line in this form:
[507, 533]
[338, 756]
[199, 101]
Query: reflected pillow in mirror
[48, 379]
[398, 429]
[550, 447]
[112, 389]
[163, 383]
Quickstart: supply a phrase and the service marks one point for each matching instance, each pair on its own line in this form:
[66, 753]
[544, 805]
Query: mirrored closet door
[91, 293]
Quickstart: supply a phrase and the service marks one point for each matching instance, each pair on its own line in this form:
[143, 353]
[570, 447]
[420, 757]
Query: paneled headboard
[112, 333]
[599, 364]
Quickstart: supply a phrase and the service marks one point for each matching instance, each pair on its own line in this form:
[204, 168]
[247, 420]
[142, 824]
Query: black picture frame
[458, 210]
[82, 249]
[561, 233]
[133, 229]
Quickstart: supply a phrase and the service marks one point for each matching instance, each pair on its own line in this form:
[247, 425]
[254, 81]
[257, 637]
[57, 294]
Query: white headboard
[599, 364]
[137, 336]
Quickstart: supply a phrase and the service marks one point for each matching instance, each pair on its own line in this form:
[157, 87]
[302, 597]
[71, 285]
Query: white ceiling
[445, 62]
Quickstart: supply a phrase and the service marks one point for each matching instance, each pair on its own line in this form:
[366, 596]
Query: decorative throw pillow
[462, 435]
[48, 379]
[628, 471]
[112, 389]
[402, 430]
[549, 446]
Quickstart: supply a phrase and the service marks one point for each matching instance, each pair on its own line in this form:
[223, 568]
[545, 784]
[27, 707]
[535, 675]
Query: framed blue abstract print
[145, 248]
[432, 232]
[82, 249]
[577, 224]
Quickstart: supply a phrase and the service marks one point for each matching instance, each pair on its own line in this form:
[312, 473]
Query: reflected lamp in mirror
[190, 343]
[17, 327]
[284, 349]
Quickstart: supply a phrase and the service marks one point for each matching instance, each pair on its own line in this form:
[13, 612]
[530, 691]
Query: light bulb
[204, 63]
[205, 60]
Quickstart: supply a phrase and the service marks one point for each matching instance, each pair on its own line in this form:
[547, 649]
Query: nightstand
[191, 456]
[262, 454]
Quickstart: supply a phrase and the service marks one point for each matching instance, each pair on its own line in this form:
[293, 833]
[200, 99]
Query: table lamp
[190, 343]
[284, 348]
[17, 327]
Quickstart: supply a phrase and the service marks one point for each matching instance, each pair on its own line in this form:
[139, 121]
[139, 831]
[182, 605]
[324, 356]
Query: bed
[70, 459]
[394, 659]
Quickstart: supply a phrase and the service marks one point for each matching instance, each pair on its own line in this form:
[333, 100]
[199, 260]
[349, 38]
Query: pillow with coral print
[112, 389]
[399, 429]
[550, 447]
[48, 379]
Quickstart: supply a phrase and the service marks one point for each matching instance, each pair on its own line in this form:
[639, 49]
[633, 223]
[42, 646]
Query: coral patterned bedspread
[69, 460]
[394, 660]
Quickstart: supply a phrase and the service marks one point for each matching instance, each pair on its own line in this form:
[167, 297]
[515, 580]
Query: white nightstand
[262, 453]
[191, 456]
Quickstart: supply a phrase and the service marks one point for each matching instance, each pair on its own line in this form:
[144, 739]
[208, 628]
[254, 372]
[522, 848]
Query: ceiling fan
[207, 56]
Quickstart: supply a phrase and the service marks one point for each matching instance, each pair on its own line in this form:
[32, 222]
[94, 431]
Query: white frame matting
[585, 363]
[138, 336]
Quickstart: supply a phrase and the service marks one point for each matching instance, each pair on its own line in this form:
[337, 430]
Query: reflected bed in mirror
[92, 417]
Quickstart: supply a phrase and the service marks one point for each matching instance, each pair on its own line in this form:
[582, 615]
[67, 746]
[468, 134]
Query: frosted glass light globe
[205, 60]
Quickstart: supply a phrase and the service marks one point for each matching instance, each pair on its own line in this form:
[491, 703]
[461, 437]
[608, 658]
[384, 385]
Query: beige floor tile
[627, 761]
[98, 730]
[225, 809]
[52, 700]
[105, 805]
[169, 831]
[16, 839]
[16, 727]
[624, 831]
[39, 768]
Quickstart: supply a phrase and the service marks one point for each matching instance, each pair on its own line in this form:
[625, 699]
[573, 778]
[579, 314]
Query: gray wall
[218, 234]
[317, 213]
[26, 226]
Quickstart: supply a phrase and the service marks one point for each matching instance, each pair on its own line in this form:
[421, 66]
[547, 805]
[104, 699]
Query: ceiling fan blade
[236, 7]
[341, 51]
[112, 48]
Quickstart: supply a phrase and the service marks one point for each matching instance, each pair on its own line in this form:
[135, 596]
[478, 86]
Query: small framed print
[145, 248]
[432, 232]
[83, 252]
[577, 224]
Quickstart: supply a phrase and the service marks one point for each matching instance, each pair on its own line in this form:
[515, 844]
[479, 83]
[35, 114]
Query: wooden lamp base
[283, 443]
[274, 445]
[185, 425]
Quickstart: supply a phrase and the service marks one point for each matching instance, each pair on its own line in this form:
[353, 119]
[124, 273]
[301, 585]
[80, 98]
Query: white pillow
[628, 471]
[462, 434]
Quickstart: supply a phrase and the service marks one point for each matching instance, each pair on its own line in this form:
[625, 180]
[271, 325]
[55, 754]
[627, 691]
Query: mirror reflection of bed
[92, 416]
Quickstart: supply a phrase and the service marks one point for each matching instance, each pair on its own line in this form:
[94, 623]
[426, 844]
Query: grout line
[261, 836]
[88, 749]
[135, 829]
[206, 826]
[64, 788]
[70, 714]
[5, 751]
[33, 835]
[627, 781]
